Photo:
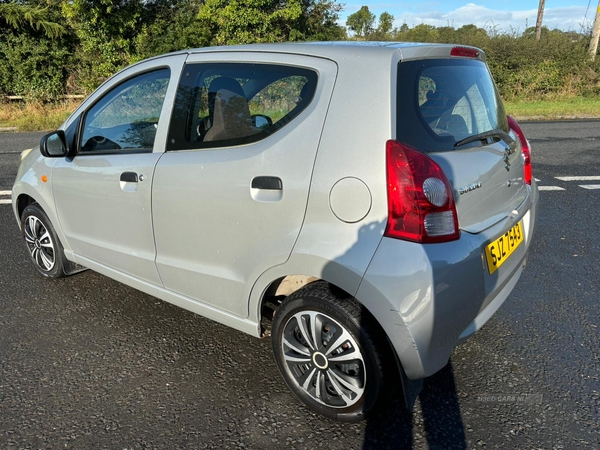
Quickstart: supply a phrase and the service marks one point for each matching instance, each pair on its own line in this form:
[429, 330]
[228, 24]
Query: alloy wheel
[324, 359]
[40, 243]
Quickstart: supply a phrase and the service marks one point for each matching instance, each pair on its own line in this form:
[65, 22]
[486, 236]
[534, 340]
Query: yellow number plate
[498, 251]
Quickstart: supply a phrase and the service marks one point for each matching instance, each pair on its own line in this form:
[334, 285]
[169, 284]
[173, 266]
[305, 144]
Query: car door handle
[268, 183]
[129, 177]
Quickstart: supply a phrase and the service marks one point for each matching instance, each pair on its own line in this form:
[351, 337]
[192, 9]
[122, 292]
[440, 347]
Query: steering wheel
[100, 143]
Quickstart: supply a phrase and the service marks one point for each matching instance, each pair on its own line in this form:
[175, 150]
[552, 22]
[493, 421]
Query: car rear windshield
[443, 101]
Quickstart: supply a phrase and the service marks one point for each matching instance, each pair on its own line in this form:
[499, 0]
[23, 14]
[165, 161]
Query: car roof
[340, 49]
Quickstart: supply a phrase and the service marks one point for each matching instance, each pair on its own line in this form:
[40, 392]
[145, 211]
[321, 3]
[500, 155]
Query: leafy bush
[71, 46]
[33, 66]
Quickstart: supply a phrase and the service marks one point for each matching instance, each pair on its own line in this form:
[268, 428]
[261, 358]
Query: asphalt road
[86, 362]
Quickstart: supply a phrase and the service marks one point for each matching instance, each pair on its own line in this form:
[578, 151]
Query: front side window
[126, 118]
[223, 105]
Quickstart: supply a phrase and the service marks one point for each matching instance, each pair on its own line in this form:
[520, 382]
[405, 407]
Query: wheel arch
[284, 286]
[23, 201]
[277, 290]
[28, 195]
[297, 272]
[281, 287]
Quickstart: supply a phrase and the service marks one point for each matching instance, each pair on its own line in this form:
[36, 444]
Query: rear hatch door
[450, 109]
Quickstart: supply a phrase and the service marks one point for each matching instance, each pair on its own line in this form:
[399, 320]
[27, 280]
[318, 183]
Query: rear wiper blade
[497, 133]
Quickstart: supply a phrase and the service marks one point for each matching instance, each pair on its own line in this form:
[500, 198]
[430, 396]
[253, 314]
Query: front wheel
[330, 352]
[43, 245]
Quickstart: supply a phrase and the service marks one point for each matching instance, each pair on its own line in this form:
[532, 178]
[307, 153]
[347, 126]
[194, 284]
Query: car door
[103, 193]
[230, 194]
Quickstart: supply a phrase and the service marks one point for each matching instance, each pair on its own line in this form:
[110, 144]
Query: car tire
[43, 246]
[342, 376]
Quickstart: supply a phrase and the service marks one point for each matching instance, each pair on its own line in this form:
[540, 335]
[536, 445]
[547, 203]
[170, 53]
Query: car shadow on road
[436, 419]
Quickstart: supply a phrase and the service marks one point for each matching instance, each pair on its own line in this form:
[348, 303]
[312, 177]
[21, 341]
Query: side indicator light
[44, 178]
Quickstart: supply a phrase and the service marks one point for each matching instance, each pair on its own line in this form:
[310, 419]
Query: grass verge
[34, 116]
[40, 117]
[571, 108]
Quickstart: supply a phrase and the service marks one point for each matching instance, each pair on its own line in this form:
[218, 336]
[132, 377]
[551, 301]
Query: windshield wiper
[497, 133]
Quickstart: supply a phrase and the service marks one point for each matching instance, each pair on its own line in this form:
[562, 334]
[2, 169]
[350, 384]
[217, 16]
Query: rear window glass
[441, 102]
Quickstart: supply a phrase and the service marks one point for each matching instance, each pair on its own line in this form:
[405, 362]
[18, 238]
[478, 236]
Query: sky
[506, 15]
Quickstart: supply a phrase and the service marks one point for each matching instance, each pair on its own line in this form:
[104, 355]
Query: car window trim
[123, 151]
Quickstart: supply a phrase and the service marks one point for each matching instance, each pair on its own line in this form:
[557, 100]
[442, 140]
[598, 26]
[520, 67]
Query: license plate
[498, 251]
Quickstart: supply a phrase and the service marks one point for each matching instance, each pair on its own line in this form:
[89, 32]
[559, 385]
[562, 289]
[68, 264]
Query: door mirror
[261, 121]
[54, 145]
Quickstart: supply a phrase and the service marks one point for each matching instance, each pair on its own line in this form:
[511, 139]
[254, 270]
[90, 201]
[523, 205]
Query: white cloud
[565, 18]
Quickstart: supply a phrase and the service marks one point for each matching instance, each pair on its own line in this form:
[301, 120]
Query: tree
[423, 33]
[361, 22]
[19, 15]
[319, 22]
[107, 32]
[176, 27]
[252, 21]
[471, 35]
[386, 22]
[34, 50]
[33, 65]
[384, 28]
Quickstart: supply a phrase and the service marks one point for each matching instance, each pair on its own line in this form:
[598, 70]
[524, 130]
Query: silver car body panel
[435, 296]
[214, 234]
[501, 190]
[107, 220]
[104, 219]
[328, 247]
[219, 315]
[28, 182]
[427, 298]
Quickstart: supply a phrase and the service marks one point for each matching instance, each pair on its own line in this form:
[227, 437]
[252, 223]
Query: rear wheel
[43, 245]
[330, 352]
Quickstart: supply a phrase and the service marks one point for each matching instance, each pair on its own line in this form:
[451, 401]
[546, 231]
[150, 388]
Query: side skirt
[197, 307]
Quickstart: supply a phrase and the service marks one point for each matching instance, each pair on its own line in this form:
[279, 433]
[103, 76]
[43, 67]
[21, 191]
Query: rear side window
[441, 102]
[229, 104]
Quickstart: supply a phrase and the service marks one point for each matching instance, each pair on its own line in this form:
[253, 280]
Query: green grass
[41, 117]
[571, 108]
[35, 116]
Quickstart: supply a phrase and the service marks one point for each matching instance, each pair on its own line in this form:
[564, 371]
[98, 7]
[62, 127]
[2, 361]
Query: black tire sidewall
[59, 258]
[370, 398]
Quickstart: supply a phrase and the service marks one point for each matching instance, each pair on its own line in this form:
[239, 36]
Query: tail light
[466, 52]
[420, 201]
[525, 148]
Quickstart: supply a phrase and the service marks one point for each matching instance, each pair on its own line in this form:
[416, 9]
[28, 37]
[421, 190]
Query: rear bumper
[430, 298]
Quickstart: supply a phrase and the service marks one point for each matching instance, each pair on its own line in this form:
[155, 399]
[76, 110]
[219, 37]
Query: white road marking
[590, 186]
[537, 179]
[550, 188]
[7, 201]
[585, 178]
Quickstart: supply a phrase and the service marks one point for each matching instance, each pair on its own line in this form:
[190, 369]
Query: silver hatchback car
[369, 206]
